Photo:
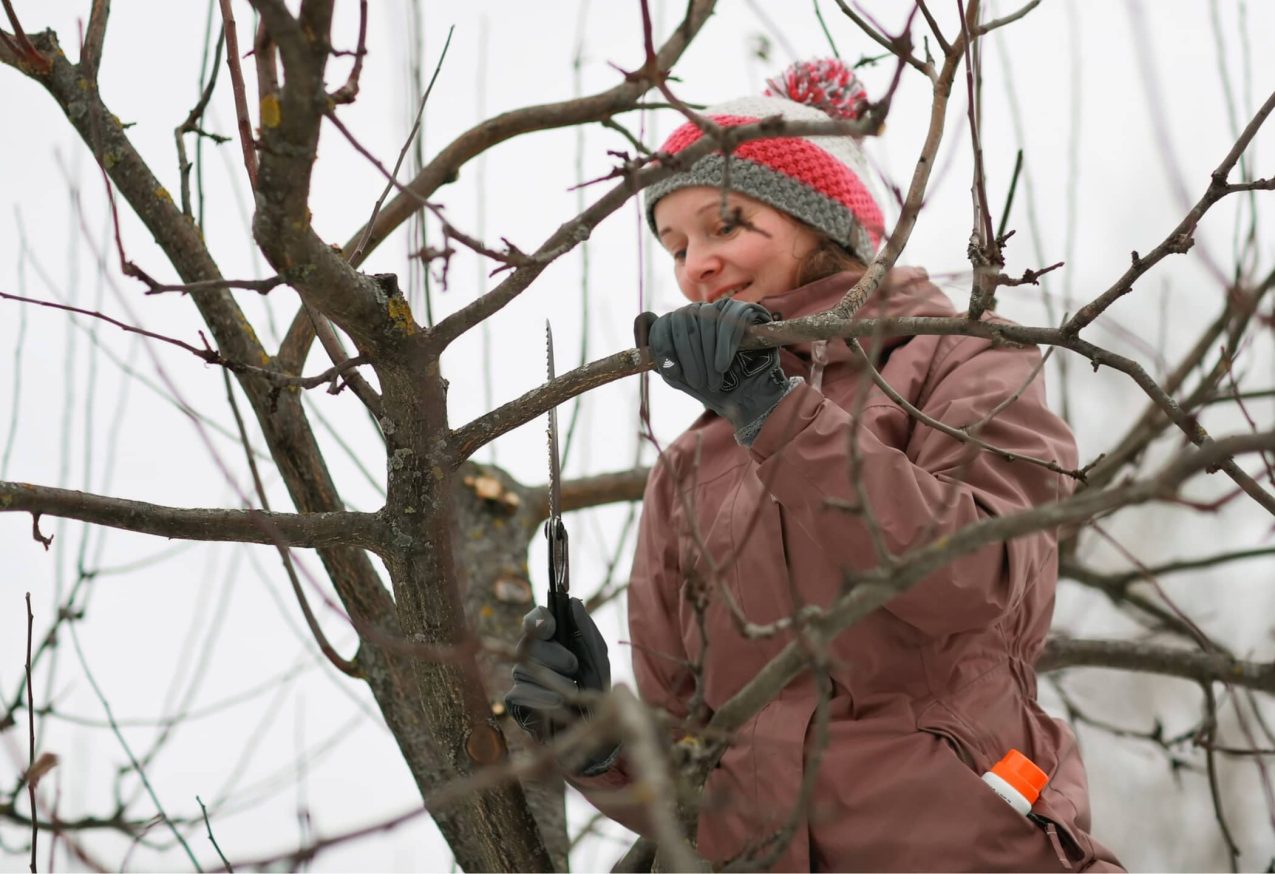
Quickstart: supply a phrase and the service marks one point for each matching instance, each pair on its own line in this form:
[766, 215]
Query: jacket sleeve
[921, 484]
[660, 664]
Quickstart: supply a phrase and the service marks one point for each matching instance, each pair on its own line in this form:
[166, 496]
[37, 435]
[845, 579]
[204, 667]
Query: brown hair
[825, 259]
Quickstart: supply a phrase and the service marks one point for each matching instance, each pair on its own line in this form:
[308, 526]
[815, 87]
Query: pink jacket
[930, 690]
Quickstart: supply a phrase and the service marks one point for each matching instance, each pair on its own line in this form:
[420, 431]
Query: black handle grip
[642, 332]
[565, 631]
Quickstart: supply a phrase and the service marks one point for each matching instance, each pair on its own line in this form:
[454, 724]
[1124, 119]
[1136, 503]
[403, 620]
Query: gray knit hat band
[772, 188]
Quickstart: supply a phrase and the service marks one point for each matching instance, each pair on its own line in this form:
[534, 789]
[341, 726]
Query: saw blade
[555, 495]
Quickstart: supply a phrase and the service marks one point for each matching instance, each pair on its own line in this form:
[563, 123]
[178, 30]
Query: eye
[679, 255]
[725, 229]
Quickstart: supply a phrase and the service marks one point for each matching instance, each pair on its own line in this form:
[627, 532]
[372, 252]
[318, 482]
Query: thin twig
[888, 44]
[241, 98]
[1215, 790]
[944, 46]
[213, 840]
[1007, 19]
[261, 286]
[349, 668]
[332, 344]
[1029, 277]
[191, 125]
[137, 767]
[964, 435]
[35, 831]
[984, 248]
[21, 45]
[1181, 238]
[1009, 197]
[823, 25]
[420, 110]
[316, 530]
[91, 52]
[347, 92]
[207, 354]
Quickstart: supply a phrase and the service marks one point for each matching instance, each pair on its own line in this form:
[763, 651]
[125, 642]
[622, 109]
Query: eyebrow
[715, 203]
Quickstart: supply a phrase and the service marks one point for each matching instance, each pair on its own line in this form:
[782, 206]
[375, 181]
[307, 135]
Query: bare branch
[128, 751]
[332, 344]
[246, 141]
[31, 778]
[467, 439]
[964, 435]
[1256, 185]
[646, 750]
[884, 260]
[935, 30]
[1190, 664]
[350, 669]
[1120, 580]
[261, 286]
[1181, 238]
[191, 125]
[1029, 277]
[520, 121]
[316, 530]
[1237, 312]
[578, 229]
[24, 52]
[357, 255]
[890, 45]
[211, 839]
[94, 37]
[988, 27]
[350, 90]
[207, 354]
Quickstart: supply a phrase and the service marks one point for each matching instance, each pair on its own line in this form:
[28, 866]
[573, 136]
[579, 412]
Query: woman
[751, 513]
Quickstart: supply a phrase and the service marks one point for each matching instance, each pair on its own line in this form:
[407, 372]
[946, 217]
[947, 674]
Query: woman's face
[750, 252]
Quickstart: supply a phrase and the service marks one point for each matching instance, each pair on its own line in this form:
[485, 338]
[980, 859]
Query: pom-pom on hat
[823, 181]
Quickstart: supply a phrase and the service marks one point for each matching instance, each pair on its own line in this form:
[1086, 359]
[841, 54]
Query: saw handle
[642, 333]
[559, 600]
[565, 630]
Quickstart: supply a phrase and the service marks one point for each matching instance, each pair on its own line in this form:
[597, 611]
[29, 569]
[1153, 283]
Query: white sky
[93, 413]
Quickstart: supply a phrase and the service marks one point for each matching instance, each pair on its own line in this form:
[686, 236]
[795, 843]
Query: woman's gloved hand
[550, 677]
[696, 350]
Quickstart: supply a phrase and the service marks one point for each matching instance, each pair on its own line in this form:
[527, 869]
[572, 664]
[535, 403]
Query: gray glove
[550, 676]
[696, 350]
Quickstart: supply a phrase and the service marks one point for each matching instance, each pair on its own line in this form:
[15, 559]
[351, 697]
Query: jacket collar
[905, 291]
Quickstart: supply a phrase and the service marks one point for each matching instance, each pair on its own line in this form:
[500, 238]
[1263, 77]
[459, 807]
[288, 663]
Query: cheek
[679, 275]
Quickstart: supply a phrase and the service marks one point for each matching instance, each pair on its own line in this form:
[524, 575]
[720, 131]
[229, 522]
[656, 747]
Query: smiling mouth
[730, 291]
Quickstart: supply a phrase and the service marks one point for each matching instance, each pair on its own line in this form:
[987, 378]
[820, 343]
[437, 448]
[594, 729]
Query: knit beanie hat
[823, 181]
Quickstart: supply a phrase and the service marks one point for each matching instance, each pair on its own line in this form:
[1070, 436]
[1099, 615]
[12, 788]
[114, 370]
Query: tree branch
[1181, 238]
[246, 143]
[361, 530]
[1203, 667]
[207, 354]
[577, 230]
[886, 43]
[964, 434]
[350, 90]
[508, 125]
[292, 116]
[94, 37]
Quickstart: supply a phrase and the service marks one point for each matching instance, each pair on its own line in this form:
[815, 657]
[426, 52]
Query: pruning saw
[559, 601]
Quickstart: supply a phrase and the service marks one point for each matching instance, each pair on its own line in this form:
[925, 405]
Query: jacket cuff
[746, 434]
[785, 420]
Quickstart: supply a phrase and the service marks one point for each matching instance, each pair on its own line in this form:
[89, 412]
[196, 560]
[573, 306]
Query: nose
[702, 264]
